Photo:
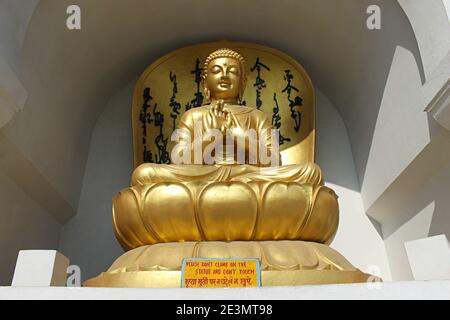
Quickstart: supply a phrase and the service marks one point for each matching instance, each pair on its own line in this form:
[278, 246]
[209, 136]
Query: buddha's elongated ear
[206, 93]
[243, 85]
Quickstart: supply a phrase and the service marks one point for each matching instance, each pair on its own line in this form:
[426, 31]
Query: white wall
[364, 71]
[14, 18]
[407, 146]
[41, 133]
[430, 22]
[23, 225]
[88, 238]
[447, 7]
[401, 131]
[417, 290]
[430, 212]
[357, 238]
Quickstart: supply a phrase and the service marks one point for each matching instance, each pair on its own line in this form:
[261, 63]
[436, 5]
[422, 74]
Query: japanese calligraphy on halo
[276, 84]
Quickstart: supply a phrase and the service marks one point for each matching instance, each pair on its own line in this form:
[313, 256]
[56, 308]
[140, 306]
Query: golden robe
[195, 123]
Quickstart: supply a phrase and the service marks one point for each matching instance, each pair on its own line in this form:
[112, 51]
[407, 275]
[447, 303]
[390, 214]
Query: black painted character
[260, 83]
[294, 103]
[276, 120]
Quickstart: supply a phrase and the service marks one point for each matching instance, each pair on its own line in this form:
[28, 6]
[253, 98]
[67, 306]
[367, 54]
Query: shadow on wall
[438, 188]
[425, 211]
[426, 180]
[88, 238]
[333, 151]
[367, 76]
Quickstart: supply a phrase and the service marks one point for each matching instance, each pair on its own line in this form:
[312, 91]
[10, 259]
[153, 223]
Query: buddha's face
[224, 78]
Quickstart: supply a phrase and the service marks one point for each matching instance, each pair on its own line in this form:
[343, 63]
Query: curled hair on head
[226, 53]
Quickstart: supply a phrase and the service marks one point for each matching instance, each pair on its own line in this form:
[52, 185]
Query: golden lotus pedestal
[283, 263]
[229, 213]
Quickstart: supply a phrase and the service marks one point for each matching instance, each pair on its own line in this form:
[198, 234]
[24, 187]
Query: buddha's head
[224, 76]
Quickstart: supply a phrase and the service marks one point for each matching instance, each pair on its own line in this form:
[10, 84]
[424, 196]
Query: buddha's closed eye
[233, 70]
[216, 69]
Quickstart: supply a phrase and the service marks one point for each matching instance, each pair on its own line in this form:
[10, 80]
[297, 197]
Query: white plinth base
[429, 258]
[387, 290]
[40, 268]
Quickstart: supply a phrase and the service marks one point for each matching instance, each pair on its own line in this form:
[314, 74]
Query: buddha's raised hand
[220, 118]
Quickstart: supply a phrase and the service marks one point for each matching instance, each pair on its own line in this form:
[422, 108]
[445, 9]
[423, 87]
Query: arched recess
[70, 75]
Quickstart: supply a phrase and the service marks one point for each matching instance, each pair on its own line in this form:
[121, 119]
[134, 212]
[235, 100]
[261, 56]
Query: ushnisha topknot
[224, 53]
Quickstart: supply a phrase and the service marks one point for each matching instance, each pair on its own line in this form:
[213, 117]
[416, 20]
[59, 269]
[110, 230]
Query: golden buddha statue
[226, 206]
